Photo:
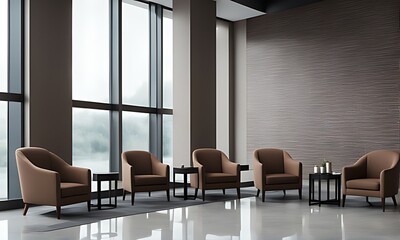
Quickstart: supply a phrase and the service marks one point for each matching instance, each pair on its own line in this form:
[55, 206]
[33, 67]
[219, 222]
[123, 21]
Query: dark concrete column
[48, 75]
[194, 77]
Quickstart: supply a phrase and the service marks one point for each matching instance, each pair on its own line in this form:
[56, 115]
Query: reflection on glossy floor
[248, 218]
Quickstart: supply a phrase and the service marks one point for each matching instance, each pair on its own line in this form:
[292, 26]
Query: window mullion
[156, 78]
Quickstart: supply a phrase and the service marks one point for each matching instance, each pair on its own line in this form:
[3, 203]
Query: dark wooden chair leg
[344, 200]
[238, 192]
[394, 200]
[383, 204]
[203, 192]
[258, 192]
[58, 211]
[88, 206]
[167, 194]
[300, 193]
[195, 193]
[26, 207]
[123, 194]
[223, 191]
[132, 198]
[284, 192]
[367, 199]
[149, 194]
[263, 195]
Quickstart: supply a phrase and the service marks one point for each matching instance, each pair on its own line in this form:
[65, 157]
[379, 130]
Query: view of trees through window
[135, 53]
[3, 88]
[167, 59]
[90, 50]
[3, 149]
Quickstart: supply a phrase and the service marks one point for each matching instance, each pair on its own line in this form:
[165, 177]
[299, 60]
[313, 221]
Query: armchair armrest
[229, 167]
[159, 168]
[389, 179]
[358, 170]
[38, 185]
[77, 174]
[292, 166]
[127, 174]
[259, 174]
[197, 182]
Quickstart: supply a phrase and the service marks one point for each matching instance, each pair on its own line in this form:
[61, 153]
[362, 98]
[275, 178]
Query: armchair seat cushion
[144, 180]
[69, 189]
[281, 178]
[220, 178]
[364, 184]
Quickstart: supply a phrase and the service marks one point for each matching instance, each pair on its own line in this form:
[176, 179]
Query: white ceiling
[226, 9]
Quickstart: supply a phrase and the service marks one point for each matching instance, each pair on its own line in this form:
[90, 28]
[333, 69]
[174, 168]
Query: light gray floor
[278, 218]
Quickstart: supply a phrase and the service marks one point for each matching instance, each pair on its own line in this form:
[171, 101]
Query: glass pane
[135, 53]
[167, 59]
[135, 131]
[167, 141]
[3, 150]
[91, 140]
[90, 50]
[3, 45]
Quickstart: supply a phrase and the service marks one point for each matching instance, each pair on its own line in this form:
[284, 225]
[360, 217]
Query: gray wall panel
[323, 80]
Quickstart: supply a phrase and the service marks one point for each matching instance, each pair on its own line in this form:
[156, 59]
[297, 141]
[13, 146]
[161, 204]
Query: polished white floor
[247, 218]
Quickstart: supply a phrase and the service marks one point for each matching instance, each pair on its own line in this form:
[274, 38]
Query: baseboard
[11, 204]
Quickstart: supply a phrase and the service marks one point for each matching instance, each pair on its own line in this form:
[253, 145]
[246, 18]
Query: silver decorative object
[316, 170]
[322, 169]
[328, 166]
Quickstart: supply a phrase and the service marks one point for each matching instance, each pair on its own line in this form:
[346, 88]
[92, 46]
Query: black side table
[324, 176]
[244, 167]
[99, 177]
[185, 171]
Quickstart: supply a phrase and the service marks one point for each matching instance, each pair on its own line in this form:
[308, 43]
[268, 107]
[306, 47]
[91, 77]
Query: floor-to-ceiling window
[167, 85]
[118, 103]
[11, 97]
[3, 88]
[135, 75]
[91, 83]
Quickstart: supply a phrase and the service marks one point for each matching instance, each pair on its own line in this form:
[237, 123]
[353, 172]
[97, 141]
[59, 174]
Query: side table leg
[174, 184]
[116, 192]
[328, 189]
[338, 189]
[98, 194]
[309, 191]
[109, 192]
[185, 186]
[319, 190]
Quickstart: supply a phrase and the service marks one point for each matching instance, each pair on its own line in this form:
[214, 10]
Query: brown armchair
[46, 179]
[375, 174]
[143, 172]
[274, 169]
[215, 171]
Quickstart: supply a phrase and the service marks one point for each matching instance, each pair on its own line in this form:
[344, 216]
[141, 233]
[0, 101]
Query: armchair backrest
[37, 156]
[271, 159]
[139, 160]
[42, 158]
[379, 160]
[209, 158]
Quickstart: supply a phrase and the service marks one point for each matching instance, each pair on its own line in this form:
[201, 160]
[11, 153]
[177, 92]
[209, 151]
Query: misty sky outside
[91, 128]
[90, 41]
[3, 88]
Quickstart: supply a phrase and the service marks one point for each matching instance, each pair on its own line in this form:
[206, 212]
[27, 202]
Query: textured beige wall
[48, 76]
[323, 80]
